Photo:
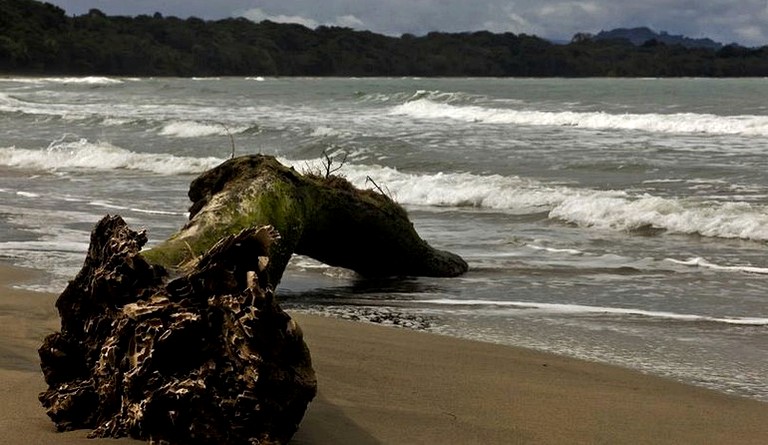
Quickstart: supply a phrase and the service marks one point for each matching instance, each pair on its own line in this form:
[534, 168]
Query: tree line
[39, 38]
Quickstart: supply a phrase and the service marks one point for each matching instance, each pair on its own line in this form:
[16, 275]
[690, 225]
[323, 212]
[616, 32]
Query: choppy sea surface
[622, 221]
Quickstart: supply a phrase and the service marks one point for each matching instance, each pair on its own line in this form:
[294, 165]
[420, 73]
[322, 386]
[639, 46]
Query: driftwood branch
[369, 179]
[231, 138]
[328, 164]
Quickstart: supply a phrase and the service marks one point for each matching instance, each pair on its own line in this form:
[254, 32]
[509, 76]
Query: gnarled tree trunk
[325, 218]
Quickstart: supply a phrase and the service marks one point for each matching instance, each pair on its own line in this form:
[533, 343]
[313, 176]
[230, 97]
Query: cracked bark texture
[205, 358]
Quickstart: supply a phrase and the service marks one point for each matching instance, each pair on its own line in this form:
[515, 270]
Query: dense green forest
[39, 38]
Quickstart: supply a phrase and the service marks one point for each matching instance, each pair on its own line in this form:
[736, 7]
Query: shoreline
[379, 385]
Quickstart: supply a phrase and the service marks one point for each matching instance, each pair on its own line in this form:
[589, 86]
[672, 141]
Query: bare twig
[308, 170]
[387, 194]
[231, 138]
[328, 163]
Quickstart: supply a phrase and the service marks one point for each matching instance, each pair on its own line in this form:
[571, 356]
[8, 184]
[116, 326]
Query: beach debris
[204, 357]
[386, 316]
[184, 343]
[321, 215]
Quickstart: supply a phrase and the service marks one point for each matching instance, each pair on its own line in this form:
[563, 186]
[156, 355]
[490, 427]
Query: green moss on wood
[325, 218]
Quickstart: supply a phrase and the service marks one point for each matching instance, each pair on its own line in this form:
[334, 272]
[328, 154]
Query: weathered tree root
[207, 358]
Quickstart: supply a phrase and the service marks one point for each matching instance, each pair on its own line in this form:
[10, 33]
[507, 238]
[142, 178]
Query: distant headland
[40, 39]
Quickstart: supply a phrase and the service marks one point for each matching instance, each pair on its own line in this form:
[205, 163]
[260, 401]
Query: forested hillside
[39, 38]
[638, 36]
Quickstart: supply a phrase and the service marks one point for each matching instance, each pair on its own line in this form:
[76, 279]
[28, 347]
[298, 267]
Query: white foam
[324, 132]
[598, 310]
[68, 112]
[108, 205]
[612, 210]
[174, 120]
[82, 154]
[27, 194]
[554, 250]
[712, 219]
[428, 109]
[602, 209]
[305, 263]
[9, 103]
[429, 95]
[89, 80]
[663, 181]
[510, 193]
[701, 262]
[117, 121]
[58, 245]
[442, 96]
[192, 129]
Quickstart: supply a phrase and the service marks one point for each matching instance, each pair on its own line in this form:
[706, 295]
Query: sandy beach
[380, 385]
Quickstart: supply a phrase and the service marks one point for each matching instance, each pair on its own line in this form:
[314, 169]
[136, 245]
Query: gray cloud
[745, 22]
[258, 15]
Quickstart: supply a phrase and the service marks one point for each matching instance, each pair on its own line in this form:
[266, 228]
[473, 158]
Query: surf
[680, 123]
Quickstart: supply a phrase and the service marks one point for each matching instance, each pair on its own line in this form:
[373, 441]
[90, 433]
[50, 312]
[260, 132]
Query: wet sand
[381, 385]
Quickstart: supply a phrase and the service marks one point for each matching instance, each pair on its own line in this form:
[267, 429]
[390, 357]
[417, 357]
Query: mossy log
[323, 217]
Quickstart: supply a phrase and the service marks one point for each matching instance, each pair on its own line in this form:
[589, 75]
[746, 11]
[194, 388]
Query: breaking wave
[429, 109]
[90, 80]
[607, 210]
[192, 129]
[85, 155]
[712, 219]
[435, 96]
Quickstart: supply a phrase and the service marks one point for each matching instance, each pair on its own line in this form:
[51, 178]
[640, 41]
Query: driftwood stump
[184, 343]
[207, 358]
[324, 217]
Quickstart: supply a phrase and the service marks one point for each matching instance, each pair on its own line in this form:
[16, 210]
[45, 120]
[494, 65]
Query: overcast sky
[726, 21]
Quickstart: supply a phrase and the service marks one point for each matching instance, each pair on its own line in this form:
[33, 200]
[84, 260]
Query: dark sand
[380, 385]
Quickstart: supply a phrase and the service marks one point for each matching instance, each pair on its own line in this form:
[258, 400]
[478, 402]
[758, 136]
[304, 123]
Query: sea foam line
[554, 249]
[172, 119]
[751, 125]
[583, 309]
[712, 219]
[614, 210]
[89, 80]
[99, 156]
[193, 129]
[606, 210]
[108, 205]
[701, 262]
[437, 96]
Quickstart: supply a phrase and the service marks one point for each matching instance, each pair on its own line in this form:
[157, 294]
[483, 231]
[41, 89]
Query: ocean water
[622, 221]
